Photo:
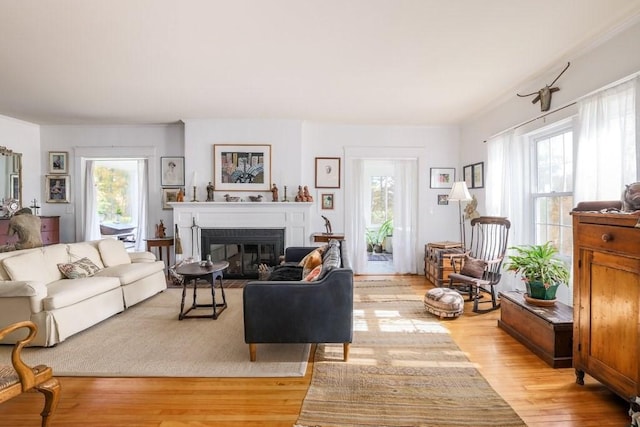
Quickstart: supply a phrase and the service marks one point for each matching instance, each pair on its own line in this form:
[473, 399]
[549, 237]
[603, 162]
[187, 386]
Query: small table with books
[437, 260]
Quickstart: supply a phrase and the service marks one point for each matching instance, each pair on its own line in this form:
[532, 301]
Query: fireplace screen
[244, 249]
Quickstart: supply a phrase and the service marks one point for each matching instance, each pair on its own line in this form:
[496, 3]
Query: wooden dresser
[50, 230]
[606, 300]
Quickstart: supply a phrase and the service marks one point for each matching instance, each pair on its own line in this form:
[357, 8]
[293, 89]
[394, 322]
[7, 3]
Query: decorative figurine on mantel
[180, 196]
[307, 196]
[300, 195]
[257, 198]
[274, 193]
[210, 190]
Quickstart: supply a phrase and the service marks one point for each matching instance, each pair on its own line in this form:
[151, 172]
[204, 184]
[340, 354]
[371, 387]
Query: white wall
[282, 135]
[435, 146]
[608, 62]
[296, 144]
[110, 142]
[594, 68]
[23, 137]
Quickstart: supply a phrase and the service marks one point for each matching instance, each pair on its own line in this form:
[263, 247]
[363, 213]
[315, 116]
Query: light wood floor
[542, 396]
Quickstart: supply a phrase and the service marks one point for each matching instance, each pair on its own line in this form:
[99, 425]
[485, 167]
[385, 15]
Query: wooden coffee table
[191, 273]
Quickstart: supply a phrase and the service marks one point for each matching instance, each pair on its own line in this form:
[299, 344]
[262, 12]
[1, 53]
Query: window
[552, 190]
[381, 199]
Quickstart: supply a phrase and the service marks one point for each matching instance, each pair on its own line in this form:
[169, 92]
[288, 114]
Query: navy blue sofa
[301, 312]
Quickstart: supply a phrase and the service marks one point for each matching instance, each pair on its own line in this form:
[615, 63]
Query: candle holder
[285, 194]
[194, 194]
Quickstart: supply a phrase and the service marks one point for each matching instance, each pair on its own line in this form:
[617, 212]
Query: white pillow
[28, 267]
[113, 252]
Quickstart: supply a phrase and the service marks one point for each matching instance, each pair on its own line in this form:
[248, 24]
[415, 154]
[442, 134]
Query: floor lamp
[459, 193]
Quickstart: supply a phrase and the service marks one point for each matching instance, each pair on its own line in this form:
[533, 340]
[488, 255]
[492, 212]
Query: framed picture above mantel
[239, 167]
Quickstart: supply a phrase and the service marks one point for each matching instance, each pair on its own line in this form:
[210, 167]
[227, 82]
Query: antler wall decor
[544, 94]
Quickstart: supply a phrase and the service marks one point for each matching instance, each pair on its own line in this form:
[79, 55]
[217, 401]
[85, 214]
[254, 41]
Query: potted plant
[542, 271]
[375, 237]
[371, 239]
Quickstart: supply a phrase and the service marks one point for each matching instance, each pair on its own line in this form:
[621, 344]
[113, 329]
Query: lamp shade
[459, 192]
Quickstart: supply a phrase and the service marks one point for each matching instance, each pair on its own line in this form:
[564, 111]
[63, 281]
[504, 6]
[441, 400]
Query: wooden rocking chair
[17, 377]
[481, 271]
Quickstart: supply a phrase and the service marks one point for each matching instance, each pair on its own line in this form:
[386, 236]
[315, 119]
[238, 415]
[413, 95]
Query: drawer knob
[606, 237]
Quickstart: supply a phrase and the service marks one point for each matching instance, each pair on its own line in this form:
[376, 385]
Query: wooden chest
[437, 261]
[546, 331]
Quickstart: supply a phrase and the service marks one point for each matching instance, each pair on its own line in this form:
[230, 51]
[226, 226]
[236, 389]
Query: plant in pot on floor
[541, 270]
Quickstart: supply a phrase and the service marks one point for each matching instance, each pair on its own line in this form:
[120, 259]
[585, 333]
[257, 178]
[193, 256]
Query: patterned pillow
[473, 267]
[84, 267]
[331, 260]
[313, 275]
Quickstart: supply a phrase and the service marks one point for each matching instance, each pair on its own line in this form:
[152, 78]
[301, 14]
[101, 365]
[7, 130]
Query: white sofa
[32, 287]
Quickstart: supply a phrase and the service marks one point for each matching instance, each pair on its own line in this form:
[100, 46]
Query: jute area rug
[403, 370]
[148, 340]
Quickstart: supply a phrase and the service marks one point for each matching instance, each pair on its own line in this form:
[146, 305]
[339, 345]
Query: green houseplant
[542, 271]
[375, 237]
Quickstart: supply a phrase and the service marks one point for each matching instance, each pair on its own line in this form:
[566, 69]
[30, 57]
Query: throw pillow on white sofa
[113, 252]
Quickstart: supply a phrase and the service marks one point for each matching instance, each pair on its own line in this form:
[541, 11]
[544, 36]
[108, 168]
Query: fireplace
[244, 248]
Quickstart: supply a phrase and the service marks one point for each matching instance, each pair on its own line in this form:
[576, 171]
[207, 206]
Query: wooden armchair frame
[489, 238]
[19, 378]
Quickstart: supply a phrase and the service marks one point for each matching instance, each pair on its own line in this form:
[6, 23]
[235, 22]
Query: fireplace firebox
[244, 248]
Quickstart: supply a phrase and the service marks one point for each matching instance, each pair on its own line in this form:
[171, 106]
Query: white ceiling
[349, 61]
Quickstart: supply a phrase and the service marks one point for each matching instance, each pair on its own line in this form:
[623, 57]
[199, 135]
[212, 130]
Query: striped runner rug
[403, 370]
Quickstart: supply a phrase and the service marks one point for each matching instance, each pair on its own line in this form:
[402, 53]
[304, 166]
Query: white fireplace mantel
[190, 217]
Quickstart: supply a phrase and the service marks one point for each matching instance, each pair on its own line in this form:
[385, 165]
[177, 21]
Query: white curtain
[606, 151]
[140, 210]
[508, 185]
[91, 218]
[355, 221]
[508, 191]
[404, 216]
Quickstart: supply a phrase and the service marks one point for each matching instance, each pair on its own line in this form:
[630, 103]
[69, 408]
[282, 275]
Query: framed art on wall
[172, 171]
[467, 173]
[58, 162]
[327, 172]
[238, 167]
[327, 200]
[443, 199]
[57, 188]
[478, 175]
[442, 177]
[169, 195]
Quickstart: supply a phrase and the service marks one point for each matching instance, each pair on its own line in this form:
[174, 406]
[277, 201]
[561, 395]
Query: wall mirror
[10, 176]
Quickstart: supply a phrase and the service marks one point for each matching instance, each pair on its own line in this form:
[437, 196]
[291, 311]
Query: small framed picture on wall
[327, 172]
[58, 162]
[327, 200]
[478, 175]
[172, 171]
[57, 188]
[442, 177]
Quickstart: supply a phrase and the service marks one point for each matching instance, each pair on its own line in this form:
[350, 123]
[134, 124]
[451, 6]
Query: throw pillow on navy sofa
[286, 273]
